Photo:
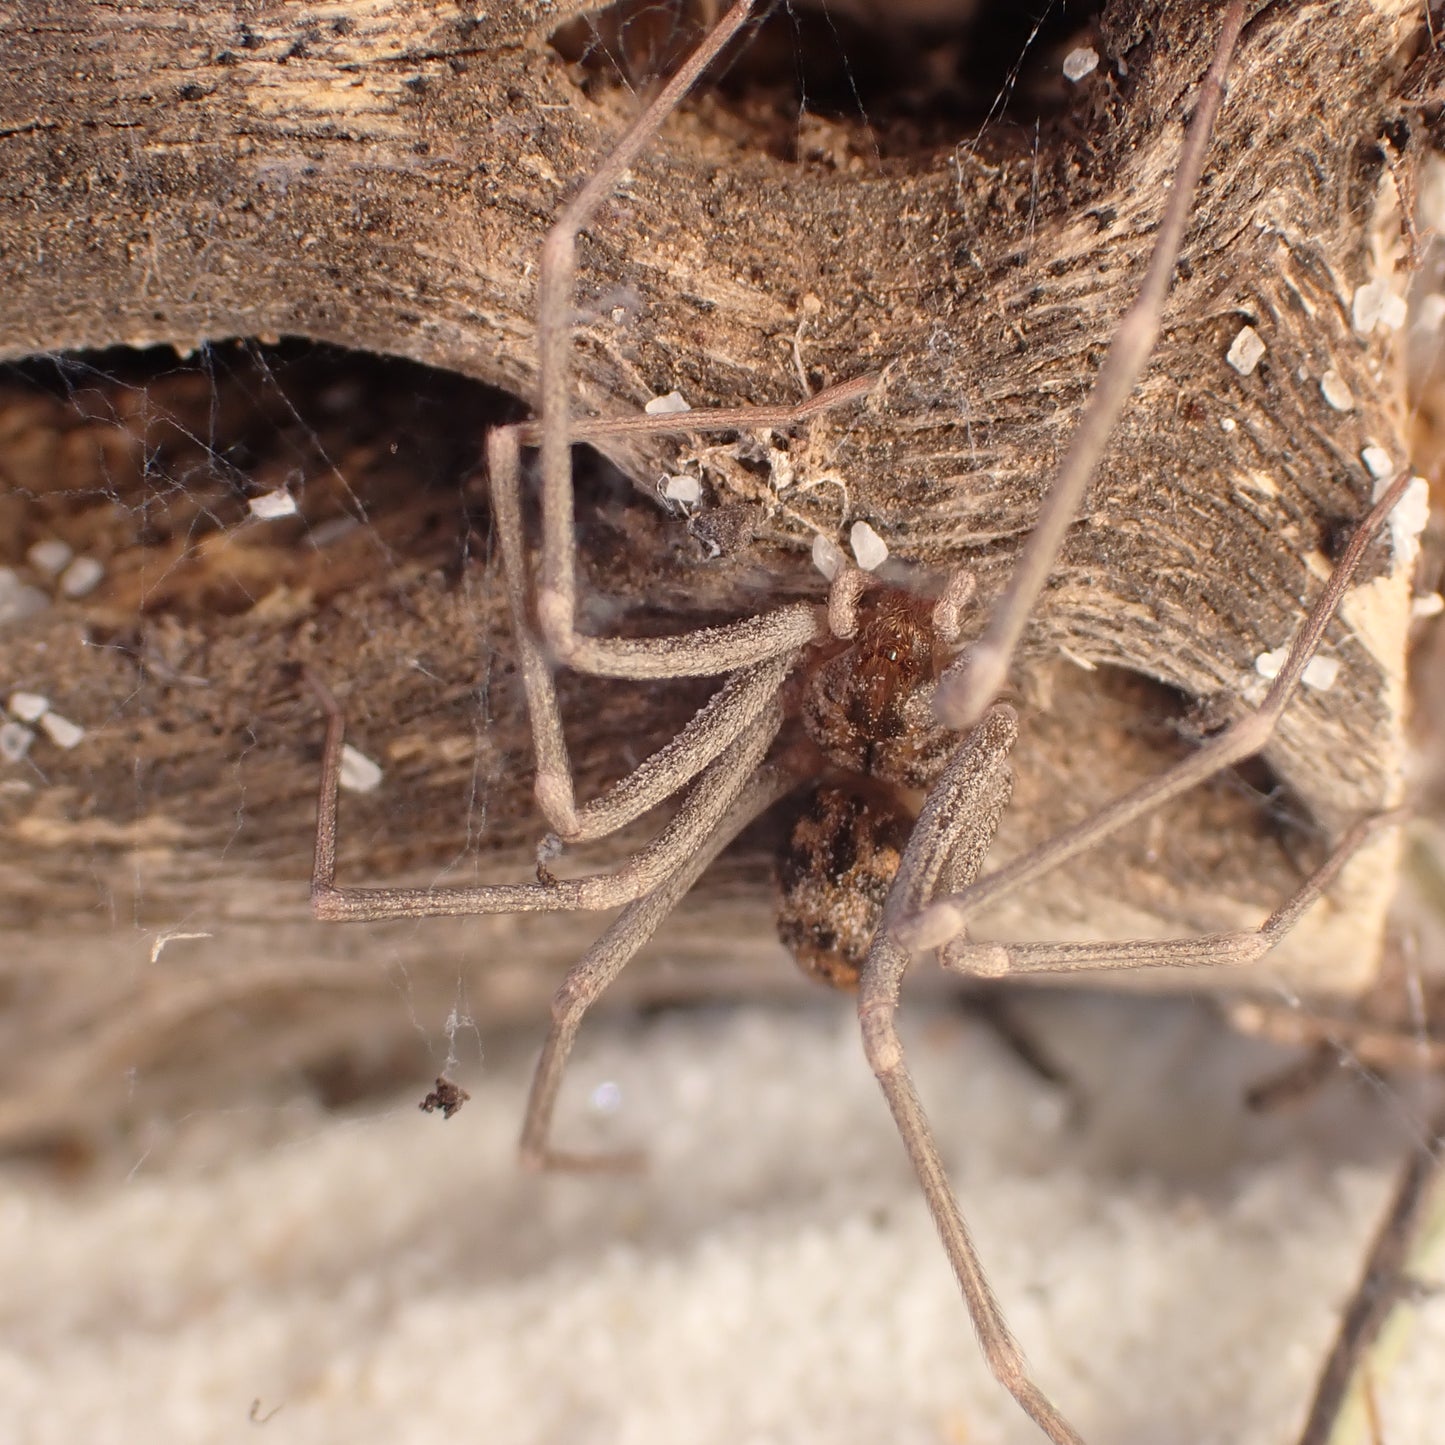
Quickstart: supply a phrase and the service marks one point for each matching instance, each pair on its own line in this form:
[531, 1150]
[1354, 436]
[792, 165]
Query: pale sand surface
[1171, 1264]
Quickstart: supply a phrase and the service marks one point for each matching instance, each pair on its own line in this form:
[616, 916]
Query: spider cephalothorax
[869, 707]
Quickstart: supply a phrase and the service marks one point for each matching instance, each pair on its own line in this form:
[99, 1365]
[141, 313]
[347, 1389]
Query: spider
[869, 687]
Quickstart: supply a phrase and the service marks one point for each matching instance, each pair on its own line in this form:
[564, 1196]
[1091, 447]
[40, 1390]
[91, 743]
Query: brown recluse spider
[726, 766]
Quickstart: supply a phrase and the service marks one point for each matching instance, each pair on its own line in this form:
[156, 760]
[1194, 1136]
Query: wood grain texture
[379, 176]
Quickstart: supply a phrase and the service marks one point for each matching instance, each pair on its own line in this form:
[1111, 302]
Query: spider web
[369, 454]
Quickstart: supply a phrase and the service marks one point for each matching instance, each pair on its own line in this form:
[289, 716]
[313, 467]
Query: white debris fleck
[1377, 462]
[666, 405]
[1079, 661]
[870, 551]
[1408, 519]
[82, 577]
[172, 935]
[1374, 304]
[1079, 62]
[685, 491]
[1320, 672]
[827, 556]
[1227, 423]
[1432, 604]
[17, 600]
[1365, 306]
[358, 773]
[606, 1098]
[15, 742]
[61, 731]
[49, 556]
[28, 707]
[270, 505]
[1245, 350]
[1268, 664]
[1336, 391]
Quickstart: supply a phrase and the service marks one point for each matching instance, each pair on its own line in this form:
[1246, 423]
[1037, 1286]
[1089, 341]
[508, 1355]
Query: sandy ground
[1171, 1264]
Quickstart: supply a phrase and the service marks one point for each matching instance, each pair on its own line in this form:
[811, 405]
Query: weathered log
[380, 177]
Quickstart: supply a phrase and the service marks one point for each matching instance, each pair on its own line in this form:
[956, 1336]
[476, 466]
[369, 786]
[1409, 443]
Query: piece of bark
[381, 177]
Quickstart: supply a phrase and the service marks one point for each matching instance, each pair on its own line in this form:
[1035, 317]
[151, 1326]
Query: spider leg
[587, 980]
[844, 594]
[954, 830]
[556, 275]
[706, 804]
[945, 917]
[711, 650]
[1212, 950]
[715, 727]
[963, 701]
[704, 652]
[949, 609]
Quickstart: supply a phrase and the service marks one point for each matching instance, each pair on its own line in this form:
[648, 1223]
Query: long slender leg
[557, 593]
[963, 701]
[1412, 1216]
[556, 604]
[946, 917]
[954, 831]
[553, 785]
[714, 728]
[1210, 950]
[587, 980]
[705, 805]
[705, 652]
[556, 270]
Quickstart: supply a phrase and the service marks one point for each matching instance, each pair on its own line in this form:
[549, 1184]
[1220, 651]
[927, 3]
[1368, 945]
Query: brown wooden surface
[380, 177]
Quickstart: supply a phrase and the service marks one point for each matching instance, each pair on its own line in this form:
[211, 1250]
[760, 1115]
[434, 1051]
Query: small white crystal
[270, 505]
[1245, 350]
[1393, 311]
[1227, 423]
[81, 577]
[870, 551]
[14, 742]
[1408, 519]
[1268, 664]
[61, 731]
[17, 600]
[1079, 62]
[1377, 462]
[827, 556]
[358, 773]
[666, 405]
[28, 706]
[1320, 672]
[1365, 306]
[1375, 304]
[49, 556]
[685, 491]
[1336, 392]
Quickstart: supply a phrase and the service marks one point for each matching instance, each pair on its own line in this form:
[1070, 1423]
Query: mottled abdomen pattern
[834, 873]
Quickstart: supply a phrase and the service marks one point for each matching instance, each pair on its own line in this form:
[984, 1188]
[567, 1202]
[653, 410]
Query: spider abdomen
[834, 873]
